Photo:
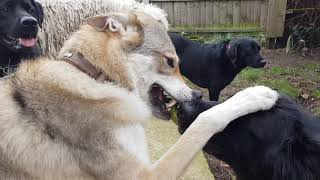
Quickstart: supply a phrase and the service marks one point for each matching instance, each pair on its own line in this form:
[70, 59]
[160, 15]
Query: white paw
[257, 98]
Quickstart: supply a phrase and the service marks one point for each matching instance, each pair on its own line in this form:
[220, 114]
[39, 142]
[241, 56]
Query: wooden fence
[225, 15]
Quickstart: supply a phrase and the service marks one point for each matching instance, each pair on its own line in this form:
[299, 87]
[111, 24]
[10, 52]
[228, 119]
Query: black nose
[28, 21]
[196, 94]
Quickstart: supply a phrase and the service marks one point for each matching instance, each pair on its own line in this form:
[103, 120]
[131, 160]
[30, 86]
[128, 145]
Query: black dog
[19, 21]
[280, 144]
[214, 66]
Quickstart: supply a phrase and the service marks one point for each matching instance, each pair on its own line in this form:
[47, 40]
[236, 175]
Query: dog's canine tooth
[171, 104]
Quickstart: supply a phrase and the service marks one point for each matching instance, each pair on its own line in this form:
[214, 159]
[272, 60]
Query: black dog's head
[19, 22]
[188, 111]
[245, 52]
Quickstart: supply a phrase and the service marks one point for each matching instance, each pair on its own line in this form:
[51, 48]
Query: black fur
[214, 66]
[19, 99]
[11, 24]
[280, 144]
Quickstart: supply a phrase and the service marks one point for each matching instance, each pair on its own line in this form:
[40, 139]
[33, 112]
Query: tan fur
[58, 123]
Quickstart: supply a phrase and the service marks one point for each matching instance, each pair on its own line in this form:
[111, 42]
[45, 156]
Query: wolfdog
[81, 116]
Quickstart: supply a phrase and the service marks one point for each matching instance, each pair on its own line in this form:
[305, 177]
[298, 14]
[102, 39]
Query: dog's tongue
[27, 42]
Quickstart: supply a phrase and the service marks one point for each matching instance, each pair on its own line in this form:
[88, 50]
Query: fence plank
[168, 7]
[177, 14]
[216, 13]
[209, 13]
[276, 18]
[243, 12]
[236, 13]
[202, 6]
[257, 11]
[229, 13]
[223, 12]
[184, 14]
[196, 14]
[190, 14]
[264, 14]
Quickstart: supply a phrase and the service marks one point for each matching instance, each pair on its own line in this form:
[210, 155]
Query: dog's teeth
[171, 104]
[165, 93]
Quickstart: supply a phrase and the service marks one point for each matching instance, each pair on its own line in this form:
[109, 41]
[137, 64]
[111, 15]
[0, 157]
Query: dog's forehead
[156, 37]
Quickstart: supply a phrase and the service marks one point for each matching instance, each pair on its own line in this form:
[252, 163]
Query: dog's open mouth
[161, 101]
[18, 42]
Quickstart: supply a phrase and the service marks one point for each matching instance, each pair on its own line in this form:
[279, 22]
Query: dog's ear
[232, 52]
[98, 22]
[114, 22]
[40, 14]
[102, 23]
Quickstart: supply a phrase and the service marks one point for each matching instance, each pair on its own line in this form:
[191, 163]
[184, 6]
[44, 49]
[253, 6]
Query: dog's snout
[263, 63]
[196, 94]
[28, 21]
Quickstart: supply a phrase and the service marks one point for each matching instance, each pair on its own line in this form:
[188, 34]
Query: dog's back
[282, 143]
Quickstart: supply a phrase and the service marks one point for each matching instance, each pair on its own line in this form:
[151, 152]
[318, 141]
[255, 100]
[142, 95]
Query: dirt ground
[290, 73]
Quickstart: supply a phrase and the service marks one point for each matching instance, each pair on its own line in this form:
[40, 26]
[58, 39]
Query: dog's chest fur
[74, 117]
[133, 139]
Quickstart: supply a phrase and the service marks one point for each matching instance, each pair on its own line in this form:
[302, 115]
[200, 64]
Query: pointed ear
[98, 22]
[102, 23]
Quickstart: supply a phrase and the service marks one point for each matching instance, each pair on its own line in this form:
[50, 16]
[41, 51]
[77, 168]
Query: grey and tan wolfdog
[82, 116]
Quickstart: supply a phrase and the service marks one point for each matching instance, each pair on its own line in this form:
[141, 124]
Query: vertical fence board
[196, 14]
[184, 14]
[243, 12]
[176, 10]
[216, 12]
[236, 13]
[250, 11]
[223, 12]
[229, 13]
[264, 14]
[209, 13]
[190, 14]
[202, 7]
[257, 11]
[276, 18]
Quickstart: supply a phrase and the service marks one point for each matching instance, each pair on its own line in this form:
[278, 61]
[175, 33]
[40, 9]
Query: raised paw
[257, 98]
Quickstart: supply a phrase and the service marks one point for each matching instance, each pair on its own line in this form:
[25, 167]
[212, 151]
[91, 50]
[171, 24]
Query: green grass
[316, 93]
[251, 74]
[283, 86]
[275, 77]
[280, 70]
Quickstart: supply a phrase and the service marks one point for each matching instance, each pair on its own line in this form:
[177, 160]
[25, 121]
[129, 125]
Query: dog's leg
[174, 162]
[214, 94]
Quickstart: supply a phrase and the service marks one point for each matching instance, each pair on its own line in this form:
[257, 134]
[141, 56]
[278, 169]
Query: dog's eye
[4, 9]
[31, 10]
[170, 62]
